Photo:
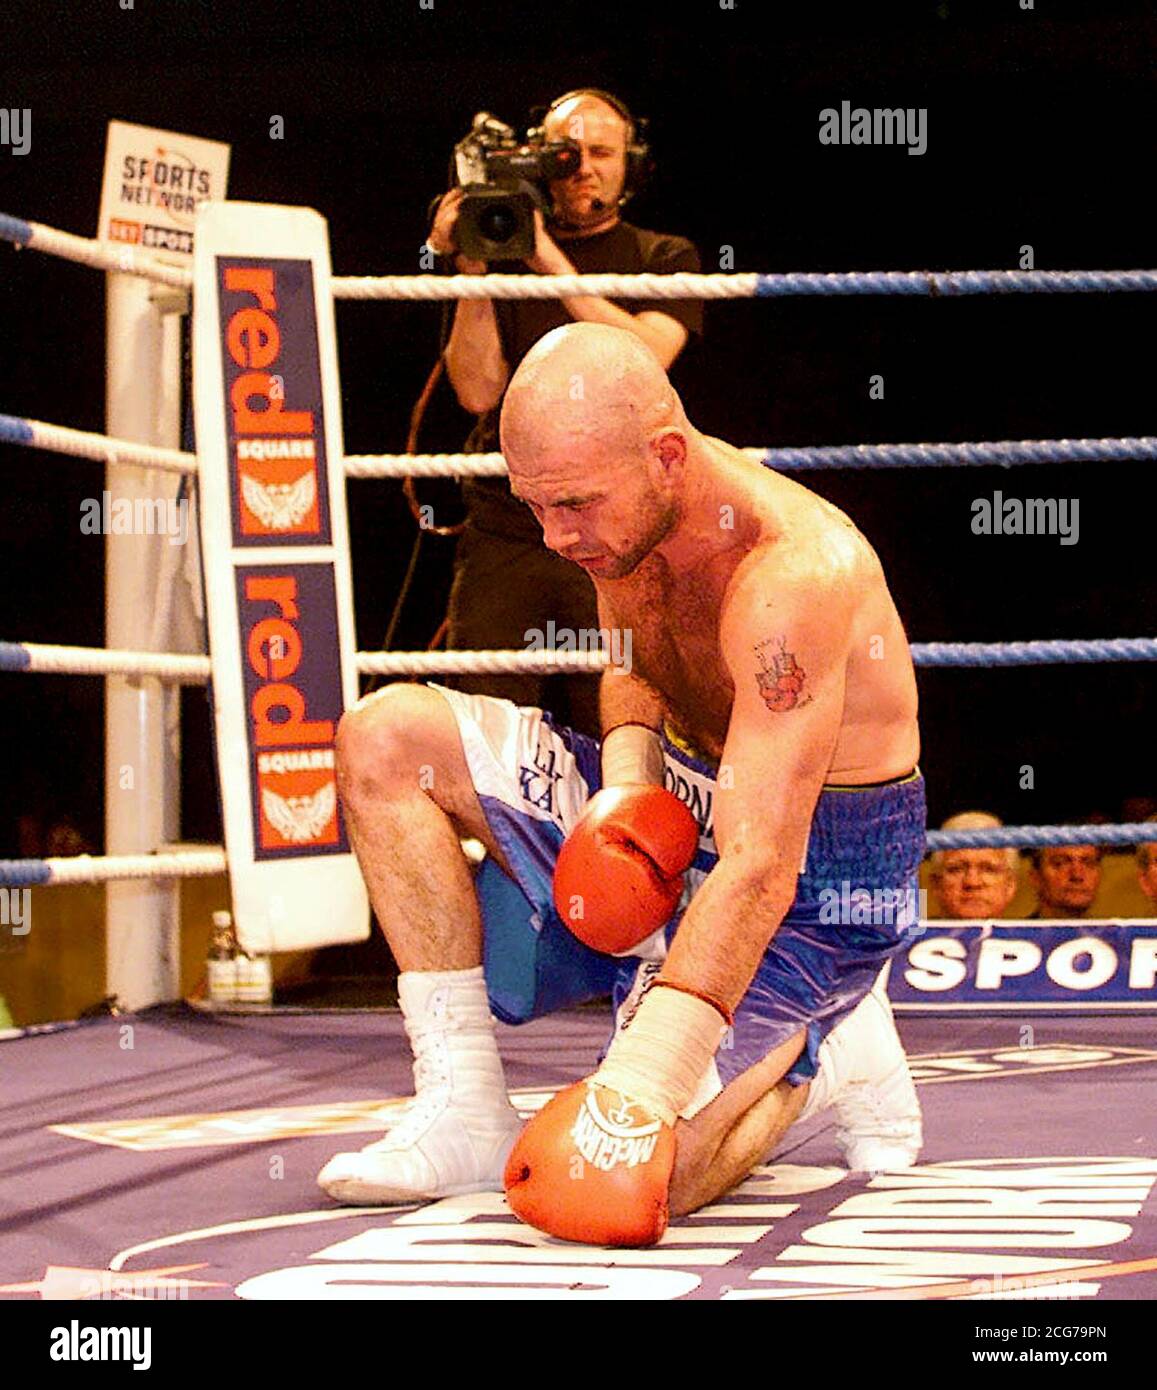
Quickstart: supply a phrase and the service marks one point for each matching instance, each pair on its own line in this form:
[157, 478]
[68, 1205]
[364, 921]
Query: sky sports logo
[150, 236]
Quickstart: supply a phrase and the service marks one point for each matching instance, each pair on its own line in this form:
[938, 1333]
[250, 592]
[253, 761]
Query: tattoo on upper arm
[781, 678]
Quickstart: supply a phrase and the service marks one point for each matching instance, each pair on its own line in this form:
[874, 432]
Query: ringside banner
[1047, 965]
[154, 181]
[277, 568]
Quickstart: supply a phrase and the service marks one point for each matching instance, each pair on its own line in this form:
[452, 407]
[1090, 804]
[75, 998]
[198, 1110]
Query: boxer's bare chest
[674, 635]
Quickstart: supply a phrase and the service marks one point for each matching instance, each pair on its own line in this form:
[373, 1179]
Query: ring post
[153, 181]
[142, 714]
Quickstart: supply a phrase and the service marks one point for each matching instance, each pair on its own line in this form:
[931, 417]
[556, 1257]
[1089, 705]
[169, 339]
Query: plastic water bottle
[254, 978]
[222, 963]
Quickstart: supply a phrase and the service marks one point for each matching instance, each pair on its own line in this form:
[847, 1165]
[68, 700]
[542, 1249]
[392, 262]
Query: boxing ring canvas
[172, 1155]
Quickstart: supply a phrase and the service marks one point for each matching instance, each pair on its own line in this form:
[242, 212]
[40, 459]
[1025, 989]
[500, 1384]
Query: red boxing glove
[593, 1166]
[619, 875]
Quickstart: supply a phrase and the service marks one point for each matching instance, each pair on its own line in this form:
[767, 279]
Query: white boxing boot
[863, 1076]
[460, 1127]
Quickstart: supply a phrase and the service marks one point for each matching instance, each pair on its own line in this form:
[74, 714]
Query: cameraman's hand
[443, 240]
[548, 259]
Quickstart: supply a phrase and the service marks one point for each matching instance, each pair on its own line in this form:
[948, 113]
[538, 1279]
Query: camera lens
[498, 223]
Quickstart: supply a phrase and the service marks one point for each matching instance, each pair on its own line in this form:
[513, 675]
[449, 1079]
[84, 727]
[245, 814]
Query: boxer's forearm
[632, 750]
[625, 698]
[727, 927]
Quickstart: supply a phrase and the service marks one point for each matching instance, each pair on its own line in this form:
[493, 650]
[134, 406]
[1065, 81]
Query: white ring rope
[102, 448]
[432, 465]
[97, 661]
[196, 670]
[543, 663]
[101, 868]
[103, 255]
[683, 284]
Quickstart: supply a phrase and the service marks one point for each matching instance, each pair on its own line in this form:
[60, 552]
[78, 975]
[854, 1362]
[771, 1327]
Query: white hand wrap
[632, 753]
[662, 1054]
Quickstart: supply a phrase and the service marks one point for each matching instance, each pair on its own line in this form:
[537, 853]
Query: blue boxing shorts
[856, 902]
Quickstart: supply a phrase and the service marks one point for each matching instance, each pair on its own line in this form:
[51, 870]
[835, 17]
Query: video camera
[505, 181]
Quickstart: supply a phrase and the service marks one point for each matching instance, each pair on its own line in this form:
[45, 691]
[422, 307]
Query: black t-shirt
[623, 250]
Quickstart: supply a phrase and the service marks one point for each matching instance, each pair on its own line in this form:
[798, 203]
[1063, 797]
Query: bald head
[586, 116]
[597, 443]
[588, 200]
[589, 391]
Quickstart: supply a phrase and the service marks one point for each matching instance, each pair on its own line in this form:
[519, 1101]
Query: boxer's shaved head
[585, 385]
[591, 419]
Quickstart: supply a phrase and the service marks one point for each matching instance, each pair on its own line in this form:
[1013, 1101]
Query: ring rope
[36, 434]
[1051, 653]
[746, 285]
[104, 868]
[87, 251]
[96, 868]
[1003, 453]
[45, 659]
[681, 285]
[1041, 836]
[33, 658]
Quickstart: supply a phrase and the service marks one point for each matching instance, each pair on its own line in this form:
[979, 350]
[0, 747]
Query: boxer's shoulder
[818, 568]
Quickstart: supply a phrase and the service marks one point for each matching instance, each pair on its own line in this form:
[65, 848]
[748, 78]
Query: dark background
[1041, 131]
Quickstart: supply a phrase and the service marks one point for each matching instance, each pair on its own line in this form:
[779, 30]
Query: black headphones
[639, 162]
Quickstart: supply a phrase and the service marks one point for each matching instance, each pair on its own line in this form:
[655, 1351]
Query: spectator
[1066, 879]
[974, 884]
[1147, 868]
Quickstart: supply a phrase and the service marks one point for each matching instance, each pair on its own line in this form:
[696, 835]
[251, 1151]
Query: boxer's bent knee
[720, 1145]
[405, 739]
[392, 736]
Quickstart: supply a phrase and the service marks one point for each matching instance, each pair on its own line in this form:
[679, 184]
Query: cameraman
[506, 581]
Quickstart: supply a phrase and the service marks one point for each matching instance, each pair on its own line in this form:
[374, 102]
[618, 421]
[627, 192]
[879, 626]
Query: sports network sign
[986, 966]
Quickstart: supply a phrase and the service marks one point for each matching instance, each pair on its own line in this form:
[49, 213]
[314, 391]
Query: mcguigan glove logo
[607, 1135]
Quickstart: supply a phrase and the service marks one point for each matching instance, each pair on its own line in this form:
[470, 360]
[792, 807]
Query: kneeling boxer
[771, 687]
